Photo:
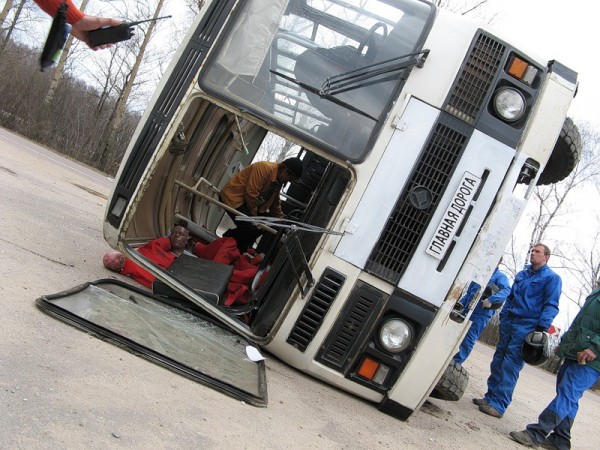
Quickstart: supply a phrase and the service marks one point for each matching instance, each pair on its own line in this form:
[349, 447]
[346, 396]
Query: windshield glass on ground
[176, 338]
[277, 57]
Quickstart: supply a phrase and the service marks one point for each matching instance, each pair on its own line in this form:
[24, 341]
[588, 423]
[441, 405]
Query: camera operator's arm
[81, 22]
[50, 7]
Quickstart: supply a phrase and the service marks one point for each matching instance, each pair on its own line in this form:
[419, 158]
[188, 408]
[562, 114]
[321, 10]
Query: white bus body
[423, 166]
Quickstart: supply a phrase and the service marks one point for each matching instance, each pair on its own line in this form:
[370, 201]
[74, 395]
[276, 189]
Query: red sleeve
[222, 250]
[51, 6]
[159, 252]
[140, 275]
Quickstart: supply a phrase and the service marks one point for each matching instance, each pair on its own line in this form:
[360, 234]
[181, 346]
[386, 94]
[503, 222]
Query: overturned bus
[422, 135]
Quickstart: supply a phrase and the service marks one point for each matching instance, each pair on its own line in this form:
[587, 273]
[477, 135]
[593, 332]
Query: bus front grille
[472, 86]
[313, 314]
[353, 327]
[409, 219]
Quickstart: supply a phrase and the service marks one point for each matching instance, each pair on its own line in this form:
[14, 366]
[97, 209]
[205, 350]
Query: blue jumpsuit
[481, 316]
[554, 423]
[532, 304]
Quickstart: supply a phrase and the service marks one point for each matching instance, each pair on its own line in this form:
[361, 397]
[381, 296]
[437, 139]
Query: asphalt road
[62, 388]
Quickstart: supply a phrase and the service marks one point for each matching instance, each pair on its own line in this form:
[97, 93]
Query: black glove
[490, 289]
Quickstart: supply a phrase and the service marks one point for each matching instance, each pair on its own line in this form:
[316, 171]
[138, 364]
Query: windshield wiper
[363, 76]
[319, 92]
[367, 75]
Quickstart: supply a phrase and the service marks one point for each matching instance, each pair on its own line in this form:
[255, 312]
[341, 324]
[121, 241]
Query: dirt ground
[62, 388]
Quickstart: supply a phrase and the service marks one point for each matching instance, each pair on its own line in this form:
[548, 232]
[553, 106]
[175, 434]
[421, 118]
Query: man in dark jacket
[254, 192]
[580, 346]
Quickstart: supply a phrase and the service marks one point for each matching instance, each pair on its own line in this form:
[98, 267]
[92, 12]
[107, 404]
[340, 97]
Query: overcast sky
[568, 31]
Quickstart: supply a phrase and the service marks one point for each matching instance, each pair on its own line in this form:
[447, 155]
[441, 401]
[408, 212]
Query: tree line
[88, 106]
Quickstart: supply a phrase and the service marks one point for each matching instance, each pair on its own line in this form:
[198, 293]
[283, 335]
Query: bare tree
[584, 265]
[129, 79]
[582, 260]
[275, 148]
[60, 66]
[11, 27]
[551, 205]
[194, 6]
[550, 199]
[467, 8]
[5, 10]
[124, 97]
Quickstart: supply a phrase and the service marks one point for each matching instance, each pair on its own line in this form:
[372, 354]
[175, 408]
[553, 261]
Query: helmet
[536, 348]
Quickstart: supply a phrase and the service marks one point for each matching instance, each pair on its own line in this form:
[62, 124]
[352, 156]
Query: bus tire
[453, 383]
[565, 155]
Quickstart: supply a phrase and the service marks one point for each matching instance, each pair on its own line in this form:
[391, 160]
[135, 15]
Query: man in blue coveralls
[483, 312]
[531, 306]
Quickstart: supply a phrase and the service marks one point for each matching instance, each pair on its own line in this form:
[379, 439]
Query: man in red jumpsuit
[161, 251]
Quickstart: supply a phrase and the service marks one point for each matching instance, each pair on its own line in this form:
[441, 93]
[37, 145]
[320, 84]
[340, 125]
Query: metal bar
[222, 205]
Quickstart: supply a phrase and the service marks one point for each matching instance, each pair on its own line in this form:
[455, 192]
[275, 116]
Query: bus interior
[185, 187]
[364, 50]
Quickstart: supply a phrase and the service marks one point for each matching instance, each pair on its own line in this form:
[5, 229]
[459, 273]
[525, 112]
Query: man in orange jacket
[255, 192]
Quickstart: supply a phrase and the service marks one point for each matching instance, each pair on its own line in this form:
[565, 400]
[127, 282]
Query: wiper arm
[366, 76]
[321, 94]
[276, 222]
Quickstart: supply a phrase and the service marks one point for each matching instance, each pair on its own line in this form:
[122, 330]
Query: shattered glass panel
[175, 334]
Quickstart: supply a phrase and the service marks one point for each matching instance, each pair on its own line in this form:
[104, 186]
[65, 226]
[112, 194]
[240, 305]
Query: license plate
[454, 215]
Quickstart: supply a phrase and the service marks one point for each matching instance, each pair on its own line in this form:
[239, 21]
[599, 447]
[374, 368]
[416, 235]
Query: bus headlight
[509, 104]
[395, 335]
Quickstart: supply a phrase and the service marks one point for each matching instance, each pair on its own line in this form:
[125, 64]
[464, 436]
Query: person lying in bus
[162, 251]
[254, 191]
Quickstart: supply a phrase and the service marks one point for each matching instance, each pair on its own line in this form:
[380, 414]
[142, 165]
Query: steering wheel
[369, 36]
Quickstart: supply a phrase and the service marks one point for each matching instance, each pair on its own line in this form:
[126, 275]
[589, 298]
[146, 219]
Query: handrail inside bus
[221, 204]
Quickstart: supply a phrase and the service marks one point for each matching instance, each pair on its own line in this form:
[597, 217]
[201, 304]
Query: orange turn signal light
[517, 68]
[368, 368]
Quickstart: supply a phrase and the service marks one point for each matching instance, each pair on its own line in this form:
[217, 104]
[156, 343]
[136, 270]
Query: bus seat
[207, 278]
[329, 61]
[314, 66]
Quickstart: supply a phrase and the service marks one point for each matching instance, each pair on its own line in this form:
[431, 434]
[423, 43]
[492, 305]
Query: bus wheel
[453, 383]
[565, 155]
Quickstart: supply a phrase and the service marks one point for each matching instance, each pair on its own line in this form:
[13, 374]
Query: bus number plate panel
[454, 215]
